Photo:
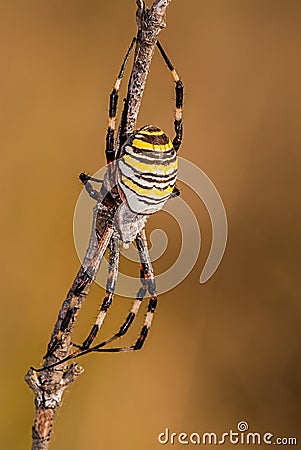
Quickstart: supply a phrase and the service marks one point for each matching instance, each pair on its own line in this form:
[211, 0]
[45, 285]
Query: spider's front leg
[79, 290]
[110, 289]
[148, 283]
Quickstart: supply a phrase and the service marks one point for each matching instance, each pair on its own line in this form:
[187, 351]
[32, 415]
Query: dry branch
[49, 385]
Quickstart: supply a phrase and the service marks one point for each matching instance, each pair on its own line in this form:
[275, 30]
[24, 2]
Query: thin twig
[49, 385]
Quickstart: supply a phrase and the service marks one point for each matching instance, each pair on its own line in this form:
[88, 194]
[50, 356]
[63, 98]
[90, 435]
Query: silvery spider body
[140, 178]
[145, 174]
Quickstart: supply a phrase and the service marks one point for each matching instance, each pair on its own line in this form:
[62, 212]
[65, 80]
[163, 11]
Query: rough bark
[49, 385]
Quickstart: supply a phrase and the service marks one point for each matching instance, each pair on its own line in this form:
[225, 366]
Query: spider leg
[93, 193]
[110, 289]
[178, 123]
[103, 196]
[110, 152]
[148, 283]
[79, 290]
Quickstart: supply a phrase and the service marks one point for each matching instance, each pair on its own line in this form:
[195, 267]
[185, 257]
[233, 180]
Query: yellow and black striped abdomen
[147, 170]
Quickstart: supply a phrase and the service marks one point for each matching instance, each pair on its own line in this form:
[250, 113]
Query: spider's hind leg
[178, 123]
[176, 192]
[110, 151]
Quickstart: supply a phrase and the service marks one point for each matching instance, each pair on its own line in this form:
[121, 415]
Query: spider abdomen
[147, 170]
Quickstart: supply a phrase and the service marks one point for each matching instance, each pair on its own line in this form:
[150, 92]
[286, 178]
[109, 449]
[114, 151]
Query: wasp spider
[140, 177]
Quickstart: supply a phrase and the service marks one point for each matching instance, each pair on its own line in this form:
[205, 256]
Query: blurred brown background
[218, 353]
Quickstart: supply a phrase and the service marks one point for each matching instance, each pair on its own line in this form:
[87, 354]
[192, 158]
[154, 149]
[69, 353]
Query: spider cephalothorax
[140, 178]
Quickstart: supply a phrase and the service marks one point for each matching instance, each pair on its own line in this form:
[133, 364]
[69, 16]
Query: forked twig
[49, 384]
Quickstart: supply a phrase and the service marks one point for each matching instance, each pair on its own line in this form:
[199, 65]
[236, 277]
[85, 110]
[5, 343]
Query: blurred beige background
[218, 353]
